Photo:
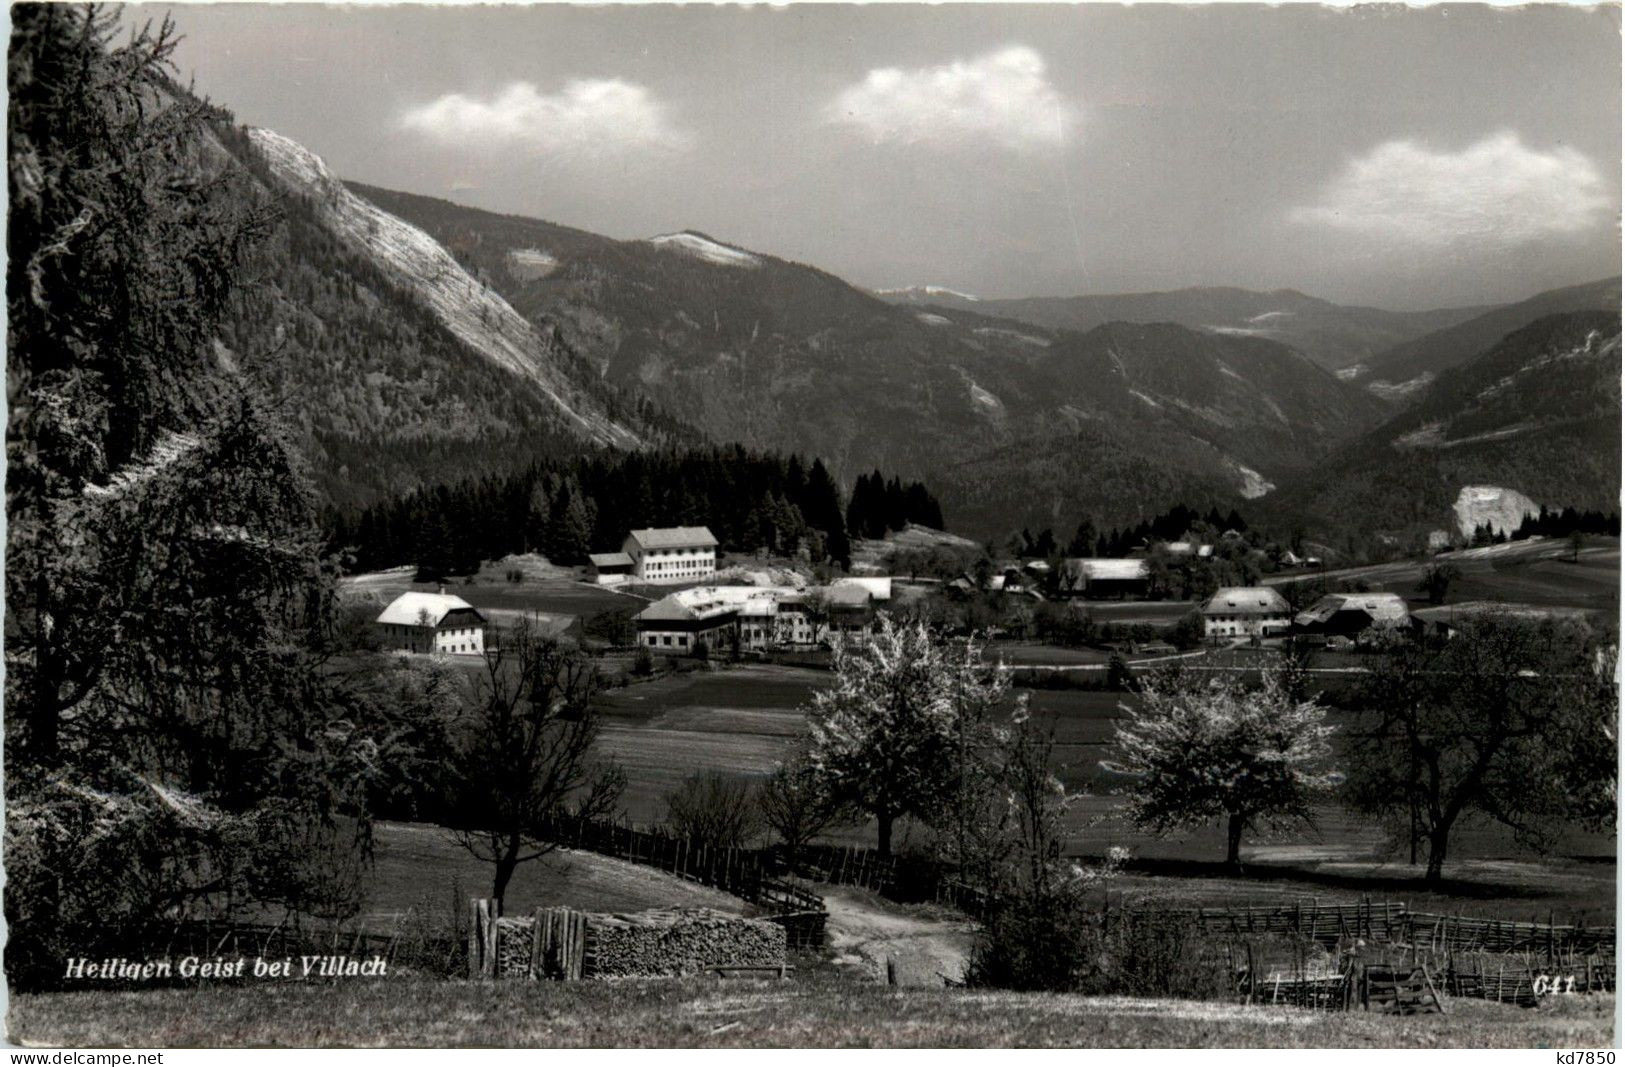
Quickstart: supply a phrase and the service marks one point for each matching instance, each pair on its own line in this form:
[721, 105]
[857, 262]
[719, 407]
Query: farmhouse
[1351, 614]
[610, 568]
[431, 622]
[1101, 578]
[1246, 611]
[671, 554]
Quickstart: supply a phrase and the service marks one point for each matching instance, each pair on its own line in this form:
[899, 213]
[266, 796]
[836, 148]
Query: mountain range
[414, 340]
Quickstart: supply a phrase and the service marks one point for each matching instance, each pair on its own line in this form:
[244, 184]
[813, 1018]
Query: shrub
[643, 662]
[713, 809]
[1043, 944]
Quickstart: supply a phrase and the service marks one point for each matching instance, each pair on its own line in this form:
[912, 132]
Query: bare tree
[1496, 724]
[798, 805]
[528, 753]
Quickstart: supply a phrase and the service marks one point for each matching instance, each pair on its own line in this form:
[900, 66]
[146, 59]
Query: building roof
[709, 601]
[1385, 609]
[410, 609]
[1247, 600]
[878, 588]
[1095, 570]
[1186, 548]
[674, 537]
[609, 559]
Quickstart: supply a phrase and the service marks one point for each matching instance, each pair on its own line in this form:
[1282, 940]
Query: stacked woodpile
[513, 947]
[670, 943]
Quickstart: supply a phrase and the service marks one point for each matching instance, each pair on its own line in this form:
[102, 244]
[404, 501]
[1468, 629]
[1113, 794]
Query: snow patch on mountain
[1348, 374]
[1271, 316]
[1400, 390]
[1024, 338]
[1241, 331]
[528, 264]
[420, 265]
[933, 320]
[1148, 400]
[925, 293]
[704, 248]
[1503, 509]
[1253, 484]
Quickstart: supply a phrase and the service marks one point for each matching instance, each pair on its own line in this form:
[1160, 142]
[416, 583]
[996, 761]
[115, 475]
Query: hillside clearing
[417, 866]
[820, 1010]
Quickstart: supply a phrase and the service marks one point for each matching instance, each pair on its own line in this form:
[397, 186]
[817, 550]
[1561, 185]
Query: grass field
[416, 866]
[741, 721]
[813, 1009]
[1537, 571]
[545, 588]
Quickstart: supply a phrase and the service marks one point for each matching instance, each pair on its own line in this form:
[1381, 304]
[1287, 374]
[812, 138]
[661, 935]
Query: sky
[1403, 158]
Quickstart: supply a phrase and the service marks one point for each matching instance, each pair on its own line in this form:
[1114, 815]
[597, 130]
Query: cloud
[1003, 97]
[1497, 191]
[594, 116]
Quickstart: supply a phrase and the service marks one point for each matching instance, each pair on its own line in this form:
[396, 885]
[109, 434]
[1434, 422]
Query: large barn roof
[876, 588]
[411, 609]
[1107, 569]
[1247, 600]
[1385, 609]
[675, 537]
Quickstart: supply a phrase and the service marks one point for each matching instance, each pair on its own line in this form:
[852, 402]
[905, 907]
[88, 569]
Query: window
[666, 640]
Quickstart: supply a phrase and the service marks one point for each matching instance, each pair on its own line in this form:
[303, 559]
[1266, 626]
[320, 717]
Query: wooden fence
[748, 873]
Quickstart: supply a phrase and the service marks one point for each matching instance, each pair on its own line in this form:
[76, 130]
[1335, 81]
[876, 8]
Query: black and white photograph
[979, 525]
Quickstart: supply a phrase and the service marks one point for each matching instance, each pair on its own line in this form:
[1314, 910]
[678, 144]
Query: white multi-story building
[1246, 611]
[672, 554]
[431, 622]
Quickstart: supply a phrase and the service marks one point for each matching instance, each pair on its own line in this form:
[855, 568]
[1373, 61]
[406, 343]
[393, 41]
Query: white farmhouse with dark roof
[431, 622]
[1246, 611]
[672, 554]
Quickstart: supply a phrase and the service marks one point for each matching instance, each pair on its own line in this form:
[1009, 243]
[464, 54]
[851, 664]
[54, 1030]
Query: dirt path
[868, 932]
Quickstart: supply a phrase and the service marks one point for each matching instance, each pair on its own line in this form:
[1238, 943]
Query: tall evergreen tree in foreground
[166, 601]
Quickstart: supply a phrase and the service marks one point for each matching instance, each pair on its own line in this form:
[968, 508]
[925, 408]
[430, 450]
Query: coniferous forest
[566, 508]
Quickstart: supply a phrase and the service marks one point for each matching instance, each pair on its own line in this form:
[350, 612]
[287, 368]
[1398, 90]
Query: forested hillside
[385, 397]
[1012, 424]
[567, 508]
[1539, 413]
[1333, 335]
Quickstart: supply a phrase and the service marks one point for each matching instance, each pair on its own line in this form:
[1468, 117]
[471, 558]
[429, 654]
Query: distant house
[431, 622]
[1189, 548]
[1246, 611]
[1351, 614]
[672, 554]
[610, 568]
[1105, 578]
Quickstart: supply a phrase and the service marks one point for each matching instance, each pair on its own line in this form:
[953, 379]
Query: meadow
[816, 1008]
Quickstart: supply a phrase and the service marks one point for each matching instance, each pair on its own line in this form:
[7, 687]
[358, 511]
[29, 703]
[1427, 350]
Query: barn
[1099, 579]
[1351, 614]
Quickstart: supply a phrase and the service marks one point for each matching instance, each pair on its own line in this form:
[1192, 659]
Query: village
[754, 606]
